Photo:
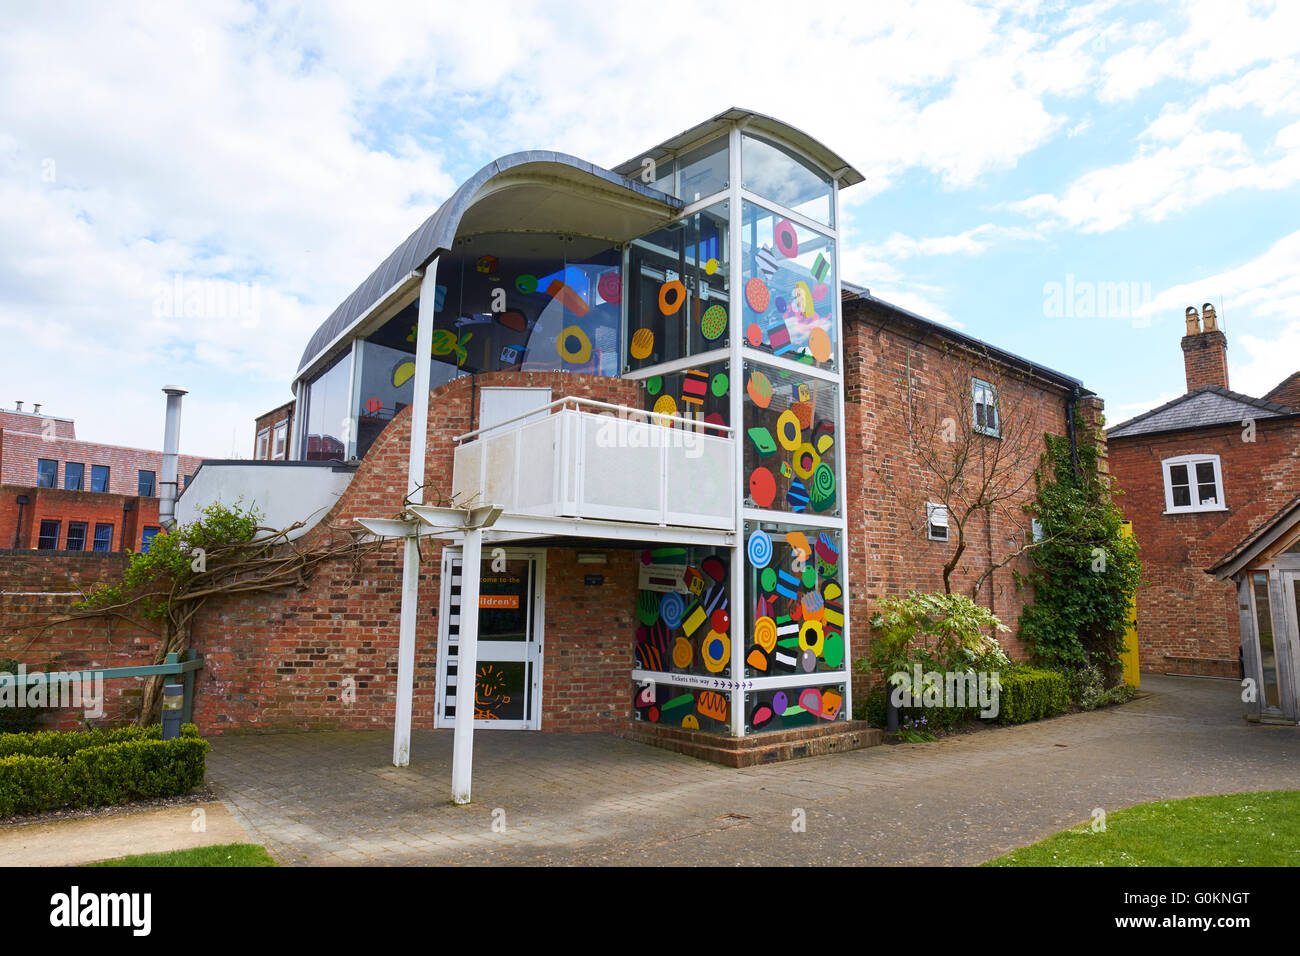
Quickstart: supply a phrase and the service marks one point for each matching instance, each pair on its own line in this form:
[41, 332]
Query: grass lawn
[225, 854]
[1241, 829]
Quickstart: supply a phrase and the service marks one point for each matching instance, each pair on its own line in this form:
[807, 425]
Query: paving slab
[112, 835]
[595, 799]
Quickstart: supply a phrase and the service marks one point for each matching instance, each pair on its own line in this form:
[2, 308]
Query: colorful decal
[610, 287]
[762, 487]
[759, 549]
[714, 322]
[643, 343]
[787, 241]
[671, 296]
[573, 345]
[526, 284]
[756, 295]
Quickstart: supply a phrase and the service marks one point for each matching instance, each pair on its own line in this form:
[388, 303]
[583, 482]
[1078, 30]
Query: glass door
[1268, 651]
[508, 679]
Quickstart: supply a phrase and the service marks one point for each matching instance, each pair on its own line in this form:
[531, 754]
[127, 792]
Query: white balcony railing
[577, 458]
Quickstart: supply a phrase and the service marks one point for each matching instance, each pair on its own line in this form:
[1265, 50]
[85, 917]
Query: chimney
[1205, 350]
[167, 491]
[18, 406]
[36, 408]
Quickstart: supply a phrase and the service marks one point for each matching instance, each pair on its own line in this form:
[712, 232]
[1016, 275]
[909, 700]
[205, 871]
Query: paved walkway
[109, 836]
[540, 798]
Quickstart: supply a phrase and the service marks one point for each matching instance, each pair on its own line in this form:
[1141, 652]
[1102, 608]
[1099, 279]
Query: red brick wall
[1181, 610]
[886, 555]
[16, 421]
[69, 506]
[19, 452]
[278, 661]
[36, 587]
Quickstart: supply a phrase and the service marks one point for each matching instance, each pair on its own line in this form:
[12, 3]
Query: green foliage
[941, 632]
[1085, 571]
[170, 562]
[1030, 693]
[223, 854]
[96, 768]
[15, 720]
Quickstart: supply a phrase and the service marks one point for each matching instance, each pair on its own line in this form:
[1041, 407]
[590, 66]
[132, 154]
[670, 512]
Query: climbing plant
[1085, 571]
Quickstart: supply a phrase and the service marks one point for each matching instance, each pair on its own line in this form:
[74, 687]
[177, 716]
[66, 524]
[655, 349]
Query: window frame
[263, 451]
[67, 538]
[54, 477]
[931, 509]
[1191, 461]
[94, 541]
[994, 431]
[68, 467]
[280, 440]
[40, 533]
[108, 479]
[146, 539]
[153, 483]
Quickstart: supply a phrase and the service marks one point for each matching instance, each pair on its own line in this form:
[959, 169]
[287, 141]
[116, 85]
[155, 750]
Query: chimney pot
[36, 408]
[1211, 320]
[19, 406]
[1193, 321]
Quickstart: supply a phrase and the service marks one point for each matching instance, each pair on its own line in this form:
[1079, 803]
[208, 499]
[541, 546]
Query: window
[936, 520]
[99, 477]
[49, 539]
[263, 442]
[781, 175]
[986, 408]
[147, 482]
[103, 537]
[281, 440]
[1036, 530]
[76, 536]
[146, 539]
[47, 473]
[73, 475]
[1193, 483]
[188, 479]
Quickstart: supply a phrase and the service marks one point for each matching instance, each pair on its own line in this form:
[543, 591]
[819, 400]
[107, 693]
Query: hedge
[1031, 694]
[96, 768]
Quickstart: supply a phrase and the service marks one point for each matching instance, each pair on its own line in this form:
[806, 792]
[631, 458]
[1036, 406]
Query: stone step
[757, 748]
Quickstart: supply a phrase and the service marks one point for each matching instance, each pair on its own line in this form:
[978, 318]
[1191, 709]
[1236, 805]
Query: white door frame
[536, 648]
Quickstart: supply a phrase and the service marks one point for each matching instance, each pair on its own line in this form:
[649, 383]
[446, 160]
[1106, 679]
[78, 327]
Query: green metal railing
[184, 665]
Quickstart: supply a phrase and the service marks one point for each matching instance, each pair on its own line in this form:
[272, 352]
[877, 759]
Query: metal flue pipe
[167, 492]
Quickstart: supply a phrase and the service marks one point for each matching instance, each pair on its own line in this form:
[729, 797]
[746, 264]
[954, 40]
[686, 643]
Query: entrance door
[512, 597]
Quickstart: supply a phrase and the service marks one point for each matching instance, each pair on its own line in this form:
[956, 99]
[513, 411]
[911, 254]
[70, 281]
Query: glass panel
[683, 610]
[793, 707]
[795, 614]
[103, 537]
[99, 478]
[146, 539]
[678, 288]
[504, 601]
[49, 536]
[47, 473]
[776, 173]
[687, 707]
[501, 690]
[76, 536]
[73, 473]
[789, 285]
[328, 421]
[1207, 488]
[700, 393]
[1294, 549]
[1264, 628]
[703, 171]
[145, 484]
[790, 441]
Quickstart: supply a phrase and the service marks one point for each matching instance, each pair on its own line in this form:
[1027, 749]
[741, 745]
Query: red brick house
[271, 434]
[1198, 475]
[684, 416]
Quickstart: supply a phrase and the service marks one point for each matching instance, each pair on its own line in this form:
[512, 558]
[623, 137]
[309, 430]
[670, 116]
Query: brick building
[271, 434]
[1198, 475]
[695, 433]
[58, 492]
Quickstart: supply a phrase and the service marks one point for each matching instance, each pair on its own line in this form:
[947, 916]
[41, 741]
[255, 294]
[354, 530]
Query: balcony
[581, 459]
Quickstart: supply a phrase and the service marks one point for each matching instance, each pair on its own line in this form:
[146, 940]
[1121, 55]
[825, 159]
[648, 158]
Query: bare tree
[973, 447]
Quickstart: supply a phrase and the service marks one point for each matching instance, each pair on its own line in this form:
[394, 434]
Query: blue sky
[270, 155]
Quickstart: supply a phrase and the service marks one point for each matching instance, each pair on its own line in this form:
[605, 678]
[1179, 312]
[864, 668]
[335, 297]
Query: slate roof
[1206, 406]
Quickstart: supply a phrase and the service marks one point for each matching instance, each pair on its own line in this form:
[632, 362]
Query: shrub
[941, 632]
[15, 720]
[1030, 693]
[97, 768]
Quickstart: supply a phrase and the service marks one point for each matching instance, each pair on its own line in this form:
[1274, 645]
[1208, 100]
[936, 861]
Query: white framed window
[1193, 483]
[936, 521]
[281, 440]
[263, 444]
[985, 398]
[1036, 530]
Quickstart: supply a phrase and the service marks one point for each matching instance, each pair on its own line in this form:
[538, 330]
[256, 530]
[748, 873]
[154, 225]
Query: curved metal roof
[437, 233]
[759, 123]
